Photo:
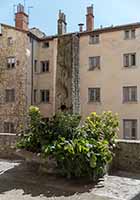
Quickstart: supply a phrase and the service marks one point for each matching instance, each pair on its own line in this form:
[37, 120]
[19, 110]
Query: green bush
[31, 140]
[80, 151]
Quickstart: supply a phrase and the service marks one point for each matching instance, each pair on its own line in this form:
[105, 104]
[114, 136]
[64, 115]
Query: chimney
[90, 19]
[80, 27]
[21, 18]
[62, 25]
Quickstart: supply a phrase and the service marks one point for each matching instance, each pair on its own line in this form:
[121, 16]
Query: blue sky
[45, 12]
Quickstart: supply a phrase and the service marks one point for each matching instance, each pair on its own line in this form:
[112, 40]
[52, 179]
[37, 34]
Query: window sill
[41, 73]
[130, 38]
[44, 103]
[95, 69]
[94, 102]
[130, 67]
[9, 69]
[94, 43]
[130, 102]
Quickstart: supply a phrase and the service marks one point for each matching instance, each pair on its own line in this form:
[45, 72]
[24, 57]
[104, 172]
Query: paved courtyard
[19, 181]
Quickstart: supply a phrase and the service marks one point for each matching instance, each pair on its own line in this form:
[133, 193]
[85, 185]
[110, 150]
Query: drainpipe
[32, 71]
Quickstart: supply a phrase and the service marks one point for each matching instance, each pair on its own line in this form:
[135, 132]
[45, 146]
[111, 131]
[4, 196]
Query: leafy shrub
[31, 140]
[80, 151]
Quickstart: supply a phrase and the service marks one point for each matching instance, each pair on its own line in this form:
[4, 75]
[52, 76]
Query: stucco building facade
[89, 70]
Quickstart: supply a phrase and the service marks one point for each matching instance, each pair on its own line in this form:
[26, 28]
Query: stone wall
[17, 78]
[127, 156]
[7, 145]
[67, 73]
[75, 75]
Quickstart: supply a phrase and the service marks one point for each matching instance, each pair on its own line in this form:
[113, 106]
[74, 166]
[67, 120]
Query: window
[35, 65]
[10, 95]
[94, 94]
[94, 62]
[129, 60]
[130, 94]
[10, 41]
[11, 62]
[45, 96]
[35, 95]
[46, 45]
[133, 34]
[126, 36]
[94, 39]
[45, 66]
[130, 129]
[129, 34]
[9, 127]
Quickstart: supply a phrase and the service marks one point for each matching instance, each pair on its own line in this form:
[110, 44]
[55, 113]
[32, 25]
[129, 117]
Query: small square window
[10, 41]
[11, 62]
[94, 94]
[9, 95]
[46, 45]
[94, 62]
[94, 39]
[9, 127]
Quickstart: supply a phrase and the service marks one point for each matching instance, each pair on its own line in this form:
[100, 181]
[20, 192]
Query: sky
[44, 13]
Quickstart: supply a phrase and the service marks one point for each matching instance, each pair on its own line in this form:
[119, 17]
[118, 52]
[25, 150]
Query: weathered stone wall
[7, 140]
[127, 156]
[75, 75]
[18, 78]
[7, 145]
[67, 73]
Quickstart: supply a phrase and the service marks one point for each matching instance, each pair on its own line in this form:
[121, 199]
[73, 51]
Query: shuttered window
[45, 66]
[45, 96]
[94, 94]
[129, 34]
[94, 39]
[130, 129]
[129, 59]
[130, 94]
[94, 62]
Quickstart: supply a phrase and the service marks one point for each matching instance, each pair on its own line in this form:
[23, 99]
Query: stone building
[89, 70]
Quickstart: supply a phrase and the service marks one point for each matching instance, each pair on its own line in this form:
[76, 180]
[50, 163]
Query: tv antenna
[29, 9]
[14, 10]
[24, 3]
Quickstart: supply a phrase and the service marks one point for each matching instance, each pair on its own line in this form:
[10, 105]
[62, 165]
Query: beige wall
[112, 76]
[46, 80]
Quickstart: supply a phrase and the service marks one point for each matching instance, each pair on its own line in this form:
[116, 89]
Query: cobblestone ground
[19, 181]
